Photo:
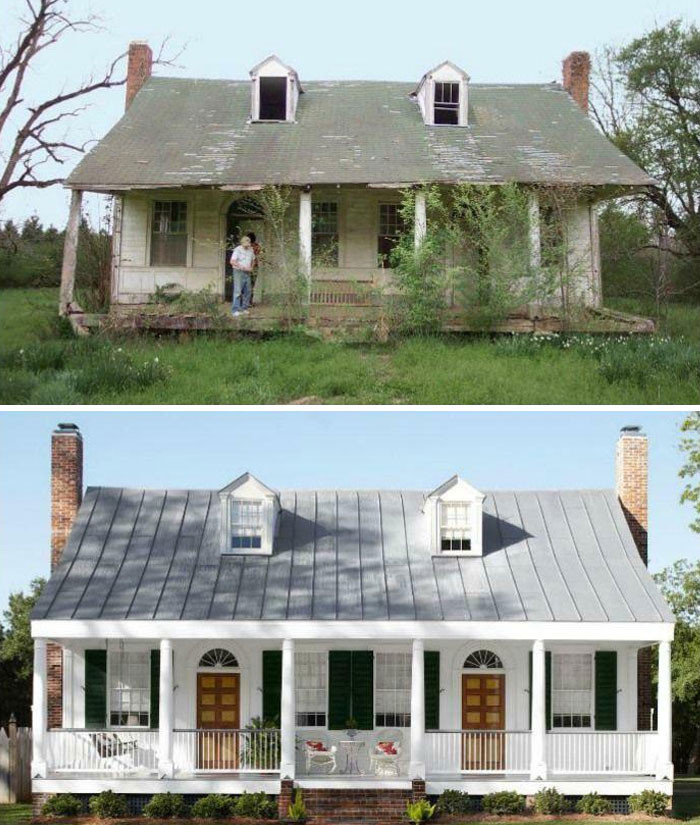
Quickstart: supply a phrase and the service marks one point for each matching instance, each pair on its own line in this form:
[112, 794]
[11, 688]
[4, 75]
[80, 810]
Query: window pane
[324, 233]
[446, 106]
[392, 689]
[310, 688]
[572, 690]
[169, 234]
[129, 694]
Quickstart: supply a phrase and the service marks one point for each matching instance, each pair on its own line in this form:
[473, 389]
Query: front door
[218, 720]
[483, 710]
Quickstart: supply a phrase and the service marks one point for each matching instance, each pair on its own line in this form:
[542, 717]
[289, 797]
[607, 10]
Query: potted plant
[351, 725]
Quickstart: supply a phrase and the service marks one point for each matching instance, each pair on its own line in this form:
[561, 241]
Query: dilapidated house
[186, 159]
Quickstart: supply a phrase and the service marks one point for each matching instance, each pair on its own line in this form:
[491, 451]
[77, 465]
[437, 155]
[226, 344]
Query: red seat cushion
[387, 748]
[316, 746]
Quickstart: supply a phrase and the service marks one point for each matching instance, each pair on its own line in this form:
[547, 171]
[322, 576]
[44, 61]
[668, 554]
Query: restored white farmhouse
[187, 158]
[495, 640]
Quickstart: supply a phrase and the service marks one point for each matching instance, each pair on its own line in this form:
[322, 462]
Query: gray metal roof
[355, 555]
[181, 132]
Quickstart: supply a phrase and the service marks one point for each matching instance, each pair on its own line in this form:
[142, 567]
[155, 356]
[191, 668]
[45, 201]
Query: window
[246, 525]
[446, 108]
[455, 526]
[572, 690]
[218, 657]
[552, 240]
[324, 234]
[129, 689]
[273, 98]
[391, 227]
[311, 688]
[482, 659]
[393, 690]
[169, 234]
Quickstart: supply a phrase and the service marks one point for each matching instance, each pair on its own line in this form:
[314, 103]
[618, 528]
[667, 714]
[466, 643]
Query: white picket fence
[15, 764]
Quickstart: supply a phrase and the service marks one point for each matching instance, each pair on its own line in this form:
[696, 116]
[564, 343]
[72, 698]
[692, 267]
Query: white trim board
[178, 629]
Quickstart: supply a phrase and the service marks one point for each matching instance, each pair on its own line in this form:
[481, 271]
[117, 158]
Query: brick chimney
[576, 70]
[138, 68]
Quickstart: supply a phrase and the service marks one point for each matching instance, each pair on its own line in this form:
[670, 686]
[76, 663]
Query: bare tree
[41, 126]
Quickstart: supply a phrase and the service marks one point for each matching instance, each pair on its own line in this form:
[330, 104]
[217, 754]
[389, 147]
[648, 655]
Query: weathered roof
[354, 555]
[180, 132]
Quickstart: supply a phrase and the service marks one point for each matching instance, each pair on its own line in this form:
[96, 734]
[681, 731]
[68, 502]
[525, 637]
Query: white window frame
[246, 529]
[110, 669]
[267, 515]
[455, 107]
[321, 656]
[466, 531]
[396, 691]
[582, 652]
[151, 206]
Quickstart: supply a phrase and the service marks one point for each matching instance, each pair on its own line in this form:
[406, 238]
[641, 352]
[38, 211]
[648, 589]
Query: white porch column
[305, 234]
[664, 764]
[417, 763]
[534, 210]
[39, 710]
[538, 766]
[165, 710]
[421, 224]
[70, 253]
[287, 712]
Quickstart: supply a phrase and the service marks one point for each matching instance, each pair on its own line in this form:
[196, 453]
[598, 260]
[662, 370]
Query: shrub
[454, 802]
[503, 802]
[256, 805]
[165, 806]
[213, 806]
[653, 803]
[550, 801]
[297, 810]
[63, 804]
[419, 811]
[593, 805]
[108, 805]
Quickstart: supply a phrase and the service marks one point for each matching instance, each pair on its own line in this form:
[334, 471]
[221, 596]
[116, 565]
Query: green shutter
[272, 685]
[339, 688]
[155, 687]
[95, 688]
[363, 688]
[547, 688]
[606, 690]
[431, 665]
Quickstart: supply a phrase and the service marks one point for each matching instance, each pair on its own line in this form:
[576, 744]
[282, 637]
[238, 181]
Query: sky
[333, 449]
[497, 41]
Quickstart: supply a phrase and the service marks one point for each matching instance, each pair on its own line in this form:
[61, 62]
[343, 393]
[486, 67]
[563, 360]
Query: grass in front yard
[15, 814]
[39, 365]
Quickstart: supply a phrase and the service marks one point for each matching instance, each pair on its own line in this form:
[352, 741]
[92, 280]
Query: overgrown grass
[39, 364]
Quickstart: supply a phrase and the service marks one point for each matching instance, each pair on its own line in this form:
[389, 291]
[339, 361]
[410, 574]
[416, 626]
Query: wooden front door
[483, 710]
[218, 709]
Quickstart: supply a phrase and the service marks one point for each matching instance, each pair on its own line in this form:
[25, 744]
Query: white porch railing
[477, 751]
[102, 751]
[241, 751]
[592, 752]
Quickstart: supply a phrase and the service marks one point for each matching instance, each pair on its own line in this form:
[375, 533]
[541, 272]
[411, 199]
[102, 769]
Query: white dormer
[249, 513]
[443, 95]
[275, 91]
[455, 510]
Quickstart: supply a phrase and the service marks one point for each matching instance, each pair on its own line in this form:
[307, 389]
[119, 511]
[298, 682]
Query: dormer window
[442, 96]
[455, 526]
[275, 91]
[446, 103]
[273, 98]
[455, 511]
[249, 515]
[246, 525]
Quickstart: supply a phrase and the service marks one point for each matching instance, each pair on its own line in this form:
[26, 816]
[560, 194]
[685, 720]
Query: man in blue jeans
[242, 262]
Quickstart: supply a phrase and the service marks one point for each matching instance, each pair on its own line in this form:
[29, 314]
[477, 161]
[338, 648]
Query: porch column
[664, 764]
[165, 710]
[421, 225]
[287, 712]
[417, 763]
[305, 234]
[538, 766]
[39, 712]
[70, 253]
[534, 210]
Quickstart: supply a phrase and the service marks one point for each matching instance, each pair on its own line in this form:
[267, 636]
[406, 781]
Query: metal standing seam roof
[184, 132]
[351, 555]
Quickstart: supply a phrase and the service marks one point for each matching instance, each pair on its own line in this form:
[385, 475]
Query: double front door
[218, 721]
[483, 710]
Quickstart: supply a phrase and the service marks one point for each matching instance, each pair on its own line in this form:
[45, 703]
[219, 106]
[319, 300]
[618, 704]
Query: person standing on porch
[256, 265]
[242, 261]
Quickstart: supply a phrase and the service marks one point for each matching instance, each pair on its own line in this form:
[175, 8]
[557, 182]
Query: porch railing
[583, 752]
[253, 751]
[102, 751]
[477, 751]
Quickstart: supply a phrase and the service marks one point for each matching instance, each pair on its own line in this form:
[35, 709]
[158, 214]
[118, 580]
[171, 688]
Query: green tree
[690, 445]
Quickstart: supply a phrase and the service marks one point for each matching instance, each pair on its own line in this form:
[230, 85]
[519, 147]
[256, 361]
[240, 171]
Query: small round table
[353, 749]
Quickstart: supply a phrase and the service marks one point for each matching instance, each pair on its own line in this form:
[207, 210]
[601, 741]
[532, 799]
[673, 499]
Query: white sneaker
[235, 313]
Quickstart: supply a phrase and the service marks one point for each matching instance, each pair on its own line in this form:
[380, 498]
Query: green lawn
[15, 814]
[220, 369]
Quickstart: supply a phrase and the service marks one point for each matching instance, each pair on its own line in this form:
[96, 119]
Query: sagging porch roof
[555, 556]
[185, 132]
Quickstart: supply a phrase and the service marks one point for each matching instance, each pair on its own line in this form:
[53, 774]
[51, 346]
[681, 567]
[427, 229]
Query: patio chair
[320, 754]
[120, 751]
[386, 752]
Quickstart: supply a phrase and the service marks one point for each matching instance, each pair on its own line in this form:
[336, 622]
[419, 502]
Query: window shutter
[431, 665]
[272, 685]
[95, 688]
[363, 688]
[339, 688]
[155, 688]
[547, 688]
[606, 690]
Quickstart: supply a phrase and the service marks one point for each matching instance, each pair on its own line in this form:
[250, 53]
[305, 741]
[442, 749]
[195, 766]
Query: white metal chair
[118, 752]
[326, 758]
[381, 762]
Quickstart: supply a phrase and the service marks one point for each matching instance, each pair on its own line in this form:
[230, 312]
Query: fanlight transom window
[218, 657]
[483, 659]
